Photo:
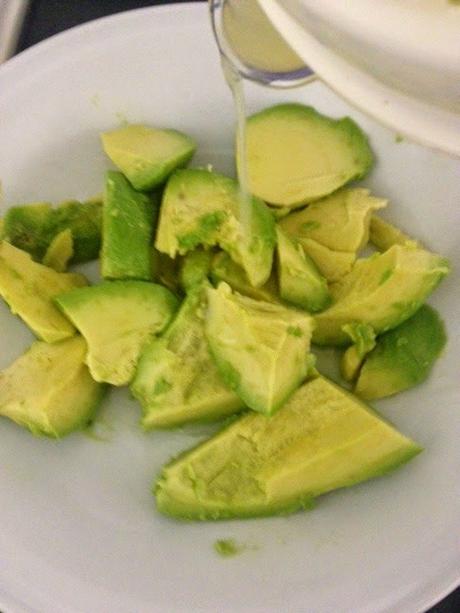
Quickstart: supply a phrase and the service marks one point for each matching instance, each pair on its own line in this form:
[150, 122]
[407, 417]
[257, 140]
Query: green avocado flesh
[296, 155]
[117, 318]
[322, 439]
[127, 224]
[224, 269]
[49, 389]
[60, 251]
[333, 230]
[403, 357]
[29, 288]
[384, 235]
[32, 227]
[146, 155]
[200, 207]
[299, 280]
[195, 268]
[382, 291]
[176, 380]
[261, 349]
[363, 338]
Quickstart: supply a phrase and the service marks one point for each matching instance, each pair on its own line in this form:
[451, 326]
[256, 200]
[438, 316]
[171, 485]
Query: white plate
[78, 527]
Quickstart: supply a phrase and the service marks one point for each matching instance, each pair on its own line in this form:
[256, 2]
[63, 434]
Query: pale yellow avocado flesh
[176, 379]
[296, 155]
[333, 230]
[117, 319]
[384, 235]
[49, 389]
[147, 155]
[261, 349]
[29, 288]
[322, 439]
[60, 251]
[382, 291]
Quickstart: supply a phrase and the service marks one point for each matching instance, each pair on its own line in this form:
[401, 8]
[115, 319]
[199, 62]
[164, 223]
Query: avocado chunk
[332, 230]
[60, 251]
[403, 356]
[333, 265]
[340, 221]
[322, 439]
[117, 318]
[224, 269]
[28, 288]
[296, 155]
[204, 208]
[127, 230]
[32, 227]
[383, 291]
[195, 268]
[363, 338]
[147, 155]
[49, 389]
[176, 379]
[384, 235]
[260, 348]
[299, 279]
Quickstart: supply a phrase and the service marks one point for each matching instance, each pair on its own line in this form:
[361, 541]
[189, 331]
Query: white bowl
[78, 526]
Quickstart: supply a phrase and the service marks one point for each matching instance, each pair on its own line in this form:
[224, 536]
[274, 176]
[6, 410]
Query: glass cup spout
[253, 47]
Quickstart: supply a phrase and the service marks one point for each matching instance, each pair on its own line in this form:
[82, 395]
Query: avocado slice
[383, 291]
[403, 356]
[49, 389]
[363, 338]
[333, 265]
[340, 221]
[32, 227]
[28, 288]
[299, 279]
[147, 155]
[195, 268]
[384, 235]
[204, 208]
[296, 155]
[332, 230]
[127, 230]
[117, 318]
[60, 251]
[176, 380]
[224, 269]
[260, 348]
[322, 439]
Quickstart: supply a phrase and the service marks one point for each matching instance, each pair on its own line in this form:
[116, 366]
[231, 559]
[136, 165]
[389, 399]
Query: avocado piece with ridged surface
[322, 439]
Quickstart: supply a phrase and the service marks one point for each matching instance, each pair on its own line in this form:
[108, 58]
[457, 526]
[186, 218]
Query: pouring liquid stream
[236, 85]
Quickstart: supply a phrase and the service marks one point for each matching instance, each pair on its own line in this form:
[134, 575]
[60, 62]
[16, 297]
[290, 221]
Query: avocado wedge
[117, 319]
[147, 155]
[299, 279]
[322, 439]
[29, 288]
[296, 155]
[383, 291]
[176, 380]
[403, 357]
[261, 349]
[49, 389]
[200, 207]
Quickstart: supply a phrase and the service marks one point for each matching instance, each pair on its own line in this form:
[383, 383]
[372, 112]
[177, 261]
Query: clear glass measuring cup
[249, 42]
